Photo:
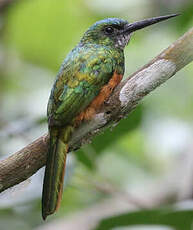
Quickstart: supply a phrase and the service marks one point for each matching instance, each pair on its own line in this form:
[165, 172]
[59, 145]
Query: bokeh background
[139, 174]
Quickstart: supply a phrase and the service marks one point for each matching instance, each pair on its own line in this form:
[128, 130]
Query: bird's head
[116, 32]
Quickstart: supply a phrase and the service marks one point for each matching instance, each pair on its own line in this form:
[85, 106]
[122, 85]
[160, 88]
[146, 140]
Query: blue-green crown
[108, 21]
[96, 33]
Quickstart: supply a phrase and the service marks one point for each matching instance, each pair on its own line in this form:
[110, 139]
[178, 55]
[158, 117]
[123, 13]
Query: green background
[132, 162]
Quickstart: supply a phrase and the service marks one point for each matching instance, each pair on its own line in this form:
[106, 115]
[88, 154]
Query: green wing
[82, 75]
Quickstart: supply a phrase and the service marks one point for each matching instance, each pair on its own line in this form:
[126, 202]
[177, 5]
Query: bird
[86, 79]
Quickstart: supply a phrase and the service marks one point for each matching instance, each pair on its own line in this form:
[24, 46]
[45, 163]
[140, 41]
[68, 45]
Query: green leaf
[109, 137]
[112, 136]
[179, 220]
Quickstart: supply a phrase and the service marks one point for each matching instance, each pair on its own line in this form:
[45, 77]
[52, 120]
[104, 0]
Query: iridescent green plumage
[84, 72]
[89, 67]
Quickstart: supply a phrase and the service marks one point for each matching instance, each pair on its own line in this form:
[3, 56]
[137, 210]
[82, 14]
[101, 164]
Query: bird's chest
[99, 100]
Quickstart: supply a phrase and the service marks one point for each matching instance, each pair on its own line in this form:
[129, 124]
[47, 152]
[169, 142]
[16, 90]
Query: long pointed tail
[54, 172]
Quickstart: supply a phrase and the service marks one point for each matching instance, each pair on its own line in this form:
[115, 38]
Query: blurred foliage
[35, 37]
[38, 28]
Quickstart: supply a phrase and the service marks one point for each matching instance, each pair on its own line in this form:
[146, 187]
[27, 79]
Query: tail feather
[54, 172]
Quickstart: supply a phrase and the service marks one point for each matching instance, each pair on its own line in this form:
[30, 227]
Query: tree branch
[24, 163]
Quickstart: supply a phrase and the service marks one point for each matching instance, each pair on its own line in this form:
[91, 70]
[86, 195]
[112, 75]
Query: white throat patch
[122, 40]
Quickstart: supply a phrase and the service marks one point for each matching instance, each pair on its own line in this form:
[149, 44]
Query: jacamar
[86, 79]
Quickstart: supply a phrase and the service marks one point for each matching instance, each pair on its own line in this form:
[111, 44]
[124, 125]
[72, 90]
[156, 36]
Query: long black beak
[147, 22]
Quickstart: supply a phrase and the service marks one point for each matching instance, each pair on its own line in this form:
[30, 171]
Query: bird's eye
[109, 30]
